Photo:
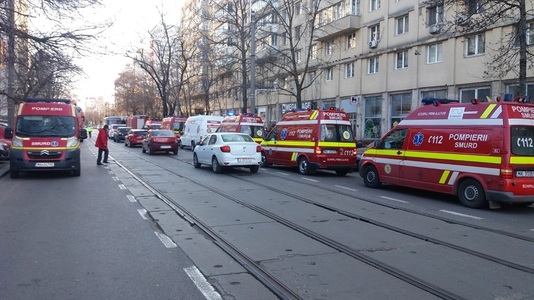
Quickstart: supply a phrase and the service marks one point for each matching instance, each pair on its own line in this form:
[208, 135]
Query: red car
[135, 137]
[5, 144]
[160, 140]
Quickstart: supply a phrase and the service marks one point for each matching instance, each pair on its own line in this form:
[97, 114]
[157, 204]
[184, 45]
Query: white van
[197, 127]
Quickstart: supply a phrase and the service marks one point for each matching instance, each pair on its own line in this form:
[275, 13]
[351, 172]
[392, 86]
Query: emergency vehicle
[176, 124]
[197, 128]
[482, 152]
[244, 123]
[136, 121]
[152, 124]
[311, 140]
[46, 137]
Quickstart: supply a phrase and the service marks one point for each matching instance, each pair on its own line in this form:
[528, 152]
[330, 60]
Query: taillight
[507, 172]
[258, 148]
[225, 149]
[318, 150]
[153, 140]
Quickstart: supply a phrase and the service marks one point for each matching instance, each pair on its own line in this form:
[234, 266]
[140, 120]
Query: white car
[228, 149]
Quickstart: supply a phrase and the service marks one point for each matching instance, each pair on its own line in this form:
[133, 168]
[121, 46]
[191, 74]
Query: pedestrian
[102, 144]
[89, 130]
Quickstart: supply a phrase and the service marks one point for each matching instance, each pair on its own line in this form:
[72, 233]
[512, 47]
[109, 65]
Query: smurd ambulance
[483, 152]
[310, 140]
[46, 137]
[244, 123]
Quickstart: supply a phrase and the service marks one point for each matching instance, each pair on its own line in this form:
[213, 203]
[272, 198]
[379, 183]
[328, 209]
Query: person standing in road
[89, 130]
[102, 145]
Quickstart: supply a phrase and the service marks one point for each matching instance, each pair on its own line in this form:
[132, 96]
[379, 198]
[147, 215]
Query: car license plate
[329, 151]
[524, 173]
[44, 164]
[165, 147]
[243, 160]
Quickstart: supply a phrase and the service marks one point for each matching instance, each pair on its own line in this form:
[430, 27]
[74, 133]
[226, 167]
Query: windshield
[253, 131]
[45, 126]
[336, 133]
[523, 140]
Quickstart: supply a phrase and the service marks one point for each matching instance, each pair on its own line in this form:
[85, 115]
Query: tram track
[284, 292]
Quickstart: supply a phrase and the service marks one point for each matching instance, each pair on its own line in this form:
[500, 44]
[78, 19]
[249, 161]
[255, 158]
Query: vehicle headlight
[72, 141]
[16, 142]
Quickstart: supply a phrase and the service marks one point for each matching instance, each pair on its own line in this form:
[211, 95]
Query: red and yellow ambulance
[483, 152]
[311, 140]
[244, 123]
[46, 137]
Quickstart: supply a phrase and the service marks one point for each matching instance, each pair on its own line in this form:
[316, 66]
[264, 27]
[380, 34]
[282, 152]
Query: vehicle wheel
[125, 145]
[77, 172]
[304, 167]
[143, 149]
[471, 194]
[150, 151]
[215, 165]
[193, 145]
[196, 164]
[175, 152]
[264, 162]
[181, 146]
[370, 177]
[13, 174]
[342, 172]
[254, 169]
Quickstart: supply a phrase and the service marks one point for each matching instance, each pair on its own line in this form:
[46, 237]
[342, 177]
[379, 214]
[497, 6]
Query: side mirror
[8, 133]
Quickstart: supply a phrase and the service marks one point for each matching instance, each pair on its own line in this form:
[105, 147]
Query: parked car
[135, 137]
[121, 133]
[112, 129]
[228, 149]
[158, 140]
[5, 143]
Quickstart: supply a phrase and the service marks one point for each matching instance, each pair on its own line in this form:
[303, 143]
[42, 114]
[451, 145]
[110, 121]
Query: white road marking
[202, 284]
[281, 173]
[122, 186]
[393, 199]
[461, 215]
[142, 212]
[165, 240]
[131, 198]
[309, 179]
[532, 229]
[115, 178]
[346, 188]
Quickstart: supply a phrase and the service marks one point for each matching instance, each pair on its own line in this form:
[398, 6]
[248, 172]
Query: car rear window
[228, 138]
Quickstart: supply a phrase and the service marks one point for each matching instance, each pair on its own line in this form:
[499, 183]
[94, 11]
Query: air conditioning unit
[373, 44]
[434, 28]
[462, 20]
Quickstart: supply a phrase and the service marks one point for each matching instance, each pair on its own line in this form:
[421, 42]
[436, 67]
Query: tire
[143, 149]
[370, 177]
[77, 172]
[264, 162]
[13, 174]
[471, 194]
[175, 152]
[254, 169]
[150, 151]
[125, 145]
[303, 166]
[342, 172]
[193, 145]
[196, 164]
[181, 146]
[215, 165]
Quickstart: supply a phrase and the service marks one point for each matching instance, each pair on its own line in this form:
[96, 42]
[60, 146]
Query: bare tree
[469, 17]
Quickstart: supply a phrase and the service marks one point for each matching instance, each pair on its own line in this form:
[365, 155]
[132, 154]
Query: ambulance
[176, 124]
[244, 123]
[46, 137]
[310, 140]
[482, 152]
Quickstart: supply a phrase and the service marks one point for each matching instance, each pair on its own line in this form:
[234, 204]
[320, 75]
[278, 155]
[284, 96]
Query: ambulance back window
[336, 133]
[522, 140]
[253, 131]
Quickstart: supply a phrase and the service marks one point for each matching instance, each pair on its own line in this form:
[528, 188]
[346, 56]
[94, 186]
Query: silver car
[228, 149]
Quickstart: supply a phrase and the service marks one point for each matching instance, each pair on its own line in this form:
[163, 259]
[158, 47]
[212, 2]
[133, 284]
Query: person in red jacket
[102, 145]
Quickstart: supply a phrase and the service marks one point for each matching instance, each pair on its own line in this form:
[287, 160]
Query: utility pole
[11, 63]
[252, 62]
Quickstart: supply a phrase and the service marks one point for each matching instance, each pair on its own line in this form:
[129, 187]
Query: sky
[132, 20]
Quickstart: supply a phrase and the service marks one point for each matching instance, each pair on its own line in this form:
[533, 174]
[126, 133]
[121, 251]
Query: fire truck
[46, 137]
[136, 121]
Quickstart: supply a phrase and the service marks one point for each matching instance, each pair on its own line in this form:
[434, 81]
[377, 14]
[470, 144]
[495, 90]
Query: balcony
[338, 27]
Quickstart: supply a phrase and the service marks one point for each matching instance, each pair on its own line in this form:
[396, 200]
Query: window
[374, 5]
[351, 40]
[372, 65]
[329, 74]
[401, 105]
[297, 32]
[373, 115]
[513, 89]
[329, 45]
[374, 32]
[401, 60]
[402, 24]
[439, 94]
[286, 38]
[435, 15]
[529, 34]
[349, 70]
[475, 6]
[475, 44]
[434, 53]
[466, 95]
[394, 140]
[298, 8]
[354, 7]
[298, 56]
[311, 76]
[313, 54]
